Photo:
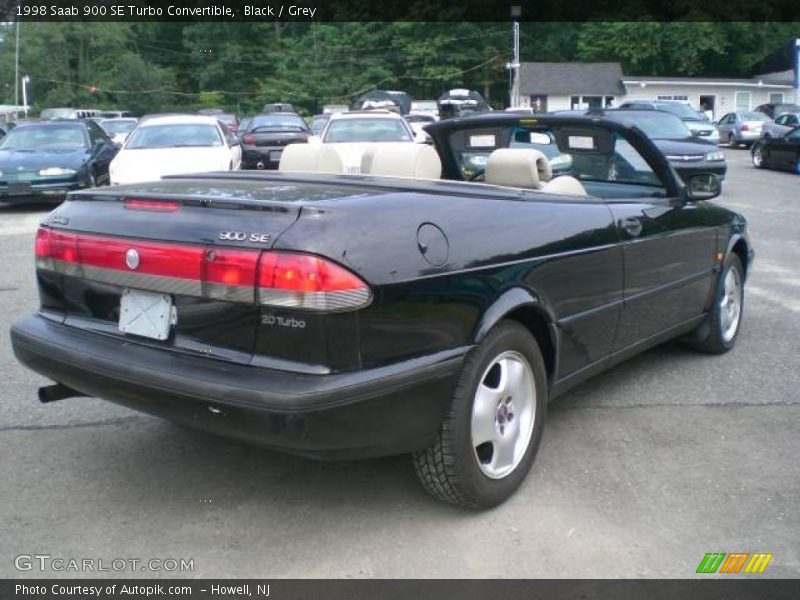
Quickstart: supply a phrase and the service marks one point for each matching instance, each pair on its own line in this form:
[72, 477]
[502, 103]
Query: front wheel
[489, 439]
[718, 333]
[758, 157]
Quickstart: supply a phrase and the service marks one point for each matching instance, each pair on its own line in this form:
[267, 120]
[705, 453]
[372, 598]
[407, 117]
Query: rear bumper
[269, 155]
[372, 412]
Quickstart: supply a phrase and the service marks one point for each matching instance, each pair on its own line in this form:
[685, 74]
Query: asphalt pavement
[642, 470]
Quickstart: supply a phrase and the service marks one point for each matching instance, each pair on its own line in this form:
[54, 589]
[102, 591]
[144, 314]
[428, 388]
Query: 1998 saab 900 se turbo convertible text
[340, 316]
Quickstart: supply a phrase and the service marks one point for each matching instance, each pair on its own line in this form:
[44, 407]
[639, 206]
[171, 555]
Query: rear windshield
[45, 137]
[658, 126]
[187, 135]
[112, 127]
[369, 129]
[754, 116]
[277, 122]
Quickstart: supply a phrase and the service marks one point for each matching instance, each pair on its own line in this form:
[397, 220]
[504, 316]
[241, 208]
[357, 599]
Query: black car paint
[266, 147]
[780, 152]
[90, 163]
[591, 288]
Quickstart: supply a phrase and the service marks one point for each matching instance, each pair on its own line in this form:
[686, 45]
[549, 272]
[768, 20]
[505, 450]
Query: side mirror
[703, 186]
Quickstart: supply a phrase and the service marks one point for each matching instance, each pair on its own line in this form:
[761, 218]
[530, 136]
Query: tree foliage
[159, 66]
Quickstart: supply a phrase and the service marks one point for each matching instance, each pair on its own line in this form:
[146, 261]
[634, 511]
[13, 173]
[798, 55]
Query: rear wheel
[489, 439]
[718, 333]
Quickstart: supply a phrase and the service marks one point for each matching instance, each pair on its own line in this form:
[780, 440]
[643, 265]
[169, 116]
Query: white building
[565, 86]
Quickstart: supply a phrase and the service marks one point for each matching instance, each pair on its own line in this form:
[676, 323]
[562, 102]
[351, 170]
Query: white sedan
[173, 145]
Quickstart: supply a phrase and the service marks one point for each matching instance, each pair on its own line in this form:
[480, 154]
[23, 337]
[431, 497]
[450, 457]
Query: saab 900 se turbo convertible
[400, 310]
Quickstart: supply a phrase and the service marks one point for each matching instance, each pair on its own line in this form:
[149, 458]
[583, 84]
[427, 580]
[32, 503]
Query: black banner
[282, 589]
[398, 10]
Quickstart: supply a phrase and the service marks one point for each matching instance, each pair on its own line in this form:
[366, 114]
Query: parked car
[118, 129]
[116, 114]
[700, 126]
[778, 152]
[6, 127]
[774, 110]
[741, 128]
[330, 109]
[318, 123]
[173, 144]
[355, 132]
[267, 136]
[231, 121]
[69, 113]
[339, 317]
[425, 107]
[782, 125]
[418, 122]
[42, 161]
[277, 107]
[687, 153]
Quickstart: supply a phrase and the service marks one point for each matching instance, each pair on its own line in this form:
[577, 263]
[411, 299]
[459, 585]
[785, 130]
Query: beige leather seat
[565, 184]
[302, 158]
[310, 158]
[402, 159]
[517, 167]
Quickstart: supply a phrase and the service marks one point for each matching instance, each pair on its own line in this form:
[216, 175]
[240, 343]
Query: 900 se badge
[243, 236]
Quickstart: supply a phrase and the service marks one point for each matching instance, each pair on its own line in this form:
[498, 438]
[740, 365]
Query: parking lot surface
[642, 470]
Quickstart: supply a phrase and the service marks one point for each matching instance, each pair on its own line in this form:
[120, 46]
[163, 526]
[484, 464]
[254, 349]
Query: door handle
[632, 226]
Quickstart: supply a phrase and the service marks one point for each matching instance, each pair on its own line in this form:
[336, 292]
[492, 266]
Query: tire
[457, 471]
[757, 157]
[719, 331]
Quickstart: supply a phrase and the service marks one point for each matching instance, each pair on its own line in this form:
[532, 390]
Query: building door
[539, 103]
[708, 106]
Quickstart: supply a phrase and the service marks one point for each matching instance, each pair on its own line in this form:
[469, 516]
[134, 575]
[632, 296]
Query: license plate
[146, 314]
[19, 188]
[275, 155]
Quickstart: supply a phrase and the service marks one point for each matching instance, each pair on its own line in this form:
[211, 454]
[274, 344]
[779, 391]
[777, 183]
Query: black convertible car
[340, 316]
[778, 152]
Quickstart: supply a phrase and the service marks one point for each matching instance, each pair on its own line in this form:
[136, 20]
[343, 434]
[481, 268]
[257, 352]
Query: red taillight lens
[231, 274]
[43, 243]
[303, 281]
[745, 127]
[248, 139]
[152, 205]
[63, 246]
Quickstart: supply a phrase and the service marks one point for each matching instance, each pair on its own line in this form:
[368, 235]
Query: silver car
[741, 128]
[782, 125]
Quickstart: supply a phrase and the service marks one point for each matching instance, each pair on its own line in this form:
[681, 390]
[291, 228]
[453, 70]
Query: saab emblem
[132, 259]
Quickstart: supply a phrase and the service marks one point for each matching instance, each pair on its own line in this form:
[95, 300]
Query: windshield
[658, 126]
[227, 119]
[424, 105]
[684, 111]
[45, 137]
[754, 116]
[112, 127]
[369, 129]
[277, 122]
[174, 136]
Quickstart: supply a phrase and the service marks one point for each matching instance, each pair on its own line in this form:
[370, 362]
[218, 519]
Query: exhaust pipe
[51, 393]
[260, 164]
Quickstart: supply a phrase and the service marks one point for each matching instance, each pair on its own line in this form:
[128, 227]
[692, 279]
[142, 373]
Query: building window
[590, 102]
[742, 101]
[673, 97]
[776, 98]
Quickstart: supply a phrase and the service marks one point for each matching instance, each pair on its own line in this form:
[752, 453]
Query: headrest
[565, 184]
[300, 157]
[330, 161]
[402, 159]
[517, 167]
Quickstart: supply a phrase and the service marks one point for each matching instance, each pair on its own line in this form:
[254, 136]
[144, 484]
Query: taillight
[303, 281]
[248, 139]
[152, 205]
[280, 279]
[745, 127]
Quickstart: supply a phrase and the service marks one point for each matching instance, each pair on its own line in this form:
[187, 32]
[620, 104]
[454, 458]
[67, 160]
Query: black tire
[449, 469]
[757, 156]
[710, 336]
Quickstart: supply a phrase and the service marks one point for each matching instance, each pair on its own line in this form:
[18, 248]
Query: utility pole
[16, 69]
[513, 66]
[25, 81]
